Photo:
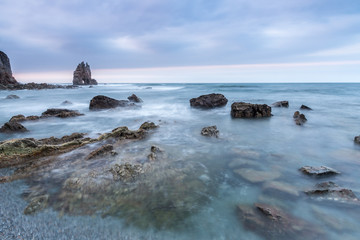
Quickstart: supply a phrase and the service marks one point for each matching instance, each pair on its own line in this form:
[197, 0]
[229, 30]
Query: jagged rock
[273, 223]
[104, 102]
[281, 104]
[304, 107]
[61, 113]
[210, 131]
[249, 110]
[12, 96]
[357, 139]
[12, 127]
[318, 171]
[148, 126]
[299, 118]
[209, 101]
[6, 77]
[134, 98]
[101, 151]
[331, 191]
[82, 75]
[66, 103]
[126, 172]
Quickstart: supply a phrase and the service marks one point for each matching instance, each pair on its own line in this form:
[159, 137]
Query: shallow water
[281, 147]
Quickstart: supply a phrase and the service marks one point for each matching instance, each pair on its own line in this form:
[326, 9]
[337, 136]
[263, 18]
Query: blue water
[325, 139]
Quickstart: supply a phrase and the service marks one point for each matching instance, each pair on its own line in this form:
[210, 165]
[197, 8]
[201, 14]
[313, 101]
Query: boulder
[104, 102]
[249, 110]
[61, 113]
[281, 104]
[12, 126]
[134, 98]
[210, 131]
[209, 101]
[299, 118]
[12, 97]
[331, 191]
[82, 75]
[148, 126]
[304, 107]
[321, 171]
[6, 77]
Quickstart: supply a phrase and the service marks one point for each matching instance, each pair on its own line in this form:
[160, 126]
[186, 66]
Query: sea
[274, 145]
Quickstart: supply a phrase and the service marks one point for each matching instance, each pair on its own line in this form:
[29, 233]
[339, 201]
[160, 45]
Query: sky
[183, 41]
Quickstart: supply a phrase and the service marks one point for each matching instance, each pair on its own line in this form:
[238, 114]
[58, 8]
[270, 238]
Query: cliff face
[6, 77]
[82, 75]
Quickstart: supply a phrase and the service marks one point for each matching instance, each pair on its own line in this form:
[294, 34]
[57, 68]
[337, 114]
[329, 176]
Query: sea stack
[6, 77]
[82, 75]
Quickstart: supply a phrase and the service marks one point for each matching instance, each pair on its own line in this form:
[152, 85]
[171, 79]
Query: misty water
[275, 145]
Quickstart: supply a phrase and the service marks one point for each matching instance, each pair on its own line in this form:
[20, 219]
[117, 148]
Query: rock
[134, 98]
[6, 77]
[247, 153]
[280, 187]
[210, 131]
[126, 172]
[256, 176]
[104, 102]
[12, 127]
[82, 75]
[273, 223]
[101, 151]
[17, 118]
[304, 107]
[152, 156]
[61, 113]
[12, 97]
[36, 204]
[148, 126]
[281, 104]
[321, 171]
[331, 191]
[299, 118]
[248, 110]
[66, 103]
[357, 139]
[241, 162]
[209, 101]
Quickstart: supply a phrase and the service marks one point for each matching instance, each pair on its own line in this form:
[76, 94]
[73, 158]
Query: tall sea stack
[82, 75]
[6, 77]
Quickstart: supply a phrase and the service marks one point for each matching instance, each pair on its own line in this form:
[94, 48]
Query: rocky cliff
[82, 75]
[6, 77]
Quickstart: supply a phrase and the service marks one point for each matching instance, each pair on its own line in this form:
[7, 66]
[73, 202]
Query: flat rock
[321, 171]
[281, 104]
[103, 102]
[299, 118]
[12, 127]
[281, 187]
[12, 96]
[134, 98]
[256, 176]
[209, 101]
[61, 113]
[249, 110]
[304, 107]
[210, 131]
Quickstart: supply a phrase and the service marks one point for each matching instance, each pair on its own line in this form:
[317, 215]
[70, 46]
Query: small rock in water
[61, 113]
[12, 127]
[304, 107]
[318, 171]
[299, 118]
[12, 97]
[134, 98]
[210, 131]
[249, 110]
[66, 103]
[148, 126]
[103, 102]
[281, 104]
[36, 204]
[357, 139]
[209, 101]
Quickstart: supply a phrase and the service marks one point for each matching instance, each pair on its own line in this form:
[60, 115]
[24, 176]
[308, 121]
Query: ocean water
[276, 145]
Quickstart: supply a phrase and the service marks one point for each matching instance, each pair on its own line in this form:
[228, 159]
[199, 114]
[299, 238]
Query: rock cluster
[82, 75]
[299, 118]
[103, 102]
[209, 101]
[249, 110]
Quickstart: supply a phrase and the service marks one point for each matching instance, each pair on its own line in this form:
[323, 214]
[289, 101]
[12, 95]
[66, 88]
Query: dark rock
[134, 98]
[210, 131]
[273, 223]
[17, 118]
[104, 102]
[66, 103]
[209, 101]
[304, 107]
[11, 127]
[318, 171]
[61, 113]
[281, 104]
[6, 77]
[357, 139]
[12, 97]
[102, 151]
[126, 172]
[154, 150]
[82, 75]
[148, 126]
[331, 191]
[248, 110]
[299, 118]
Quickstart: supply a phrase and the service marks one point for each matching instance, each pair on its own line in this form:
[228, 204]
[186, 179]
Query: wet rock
[64, 139]
[154, 150]
[209, 101]
[247, 153]
[148, 126]
[82, 75]
[6, 77]
[17, 118]
[12, 127]
[281, 104]
[273, 223]
[248, 110]
[126, 172]
[103, 102]
[66, 103]
[134, 98]
[101, 151]
[280, 187]
[299, 118]
[210, 131]
[61, 113]
[331, 191]
[304, 107]
[357, 139]
[256, 176]
[321, 171]
[36, 204]
[12, 97]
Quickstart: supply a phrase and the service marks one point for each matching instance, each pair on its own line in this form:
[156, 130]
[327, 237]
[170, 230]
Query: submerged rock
[12, 127]
[36, 204]
[281, 187]
[321, 171]
[82, 75]
[66, 103]
[249, 110]
[210, 131]
[304, 107]
[134, 98]
[103, 102]
[61, 113]
[12, 96]
[299, 118]
[126, 172]
[256, 176]
[209, 101]
[273, 223]
[281, 104]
